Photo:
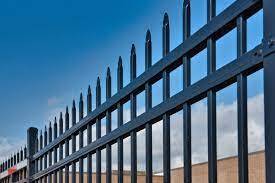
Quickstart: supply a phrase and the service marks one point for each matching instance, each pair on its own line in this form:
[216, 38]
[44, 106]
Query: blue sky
[52, 50]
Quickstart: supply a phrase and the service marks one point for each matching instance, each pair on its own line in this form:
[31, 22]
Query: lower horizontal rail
[249, 62]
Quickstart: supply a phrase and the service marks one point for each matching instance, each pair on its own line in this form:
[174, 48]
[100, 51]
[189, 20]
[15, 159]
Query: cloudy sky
[51, 51]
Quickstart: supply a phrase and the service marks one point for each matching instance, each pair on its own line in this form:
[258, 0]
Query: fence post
[31, 140]
[269, 87]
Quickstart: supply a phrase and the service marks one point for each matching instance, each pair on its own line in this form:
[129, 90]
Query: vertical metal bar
[50, 140]
[81, 114]
[49, 178]
[73, 172]
[55, 136]
[186, 106]
[55, 177]
[242, 105]
[166, 95]
[36, 161]
[67, 119]
[73, 114]
[45, 144]
[45, 179]
[31, 140]
[89, 100]
[120, 151]
[133, 116]
[55, 149]
[187, 143]
[98, 133]
[212, 137]
[89, 136]
[66, 174]
[108, 130]
[81, 107]
[18, 158]
[60, 147]
[13, 160]
[120, 121]
[148, 106]
[25, 152]
[211, 100]
[269, 88]
[21, 155]
[89, 168]
[73, 142]
[41, 147]
[80, 159]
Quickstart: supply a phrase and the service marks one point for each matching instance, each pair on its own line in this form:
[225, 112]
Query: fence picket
[120, 121]
[81, 114]
[211, 100]
[98, 132]
[133, 75]
[89, 136]
[166, 95]
[108, 129]
[73, 142]
[186, 107]
[148, 106]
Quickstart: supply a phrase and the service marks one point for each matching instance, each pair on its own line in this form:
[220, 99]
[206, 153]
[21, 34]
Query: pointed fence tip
[89, 89]
[186, 2]
[120, 61]
[81, 96]
[133, 49]
[55, 120]
[165, 19]
[108, 71]
[67, 109]
[98, 81]
[73, 103]
[148, 35]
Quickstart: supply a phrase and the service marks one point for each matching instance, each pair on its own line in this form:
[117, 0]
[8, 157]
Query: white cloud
[9, 146]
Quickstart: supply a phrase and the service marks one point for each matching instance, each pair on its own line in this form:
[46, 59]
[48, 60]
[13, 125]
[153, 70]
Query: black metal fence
[43, 161]
[14, 168]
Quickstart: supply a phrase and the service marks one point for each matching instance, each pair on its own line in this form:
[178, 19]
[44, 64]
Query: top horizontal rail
[219, 24]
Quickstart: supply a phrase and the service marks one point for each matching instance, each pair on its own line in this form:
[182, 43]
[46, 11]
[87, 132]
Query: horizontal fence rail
[60, 151]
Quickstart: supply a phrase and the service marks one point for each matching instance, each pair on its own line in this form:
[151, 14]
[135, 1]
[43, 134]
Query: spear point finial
[148, 35]
[165, 19]
[133, 49]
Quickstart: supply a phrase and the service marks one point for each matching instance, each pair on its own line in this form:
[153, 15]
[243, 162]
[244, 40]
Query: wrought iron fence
[46, 158]
[15, 167]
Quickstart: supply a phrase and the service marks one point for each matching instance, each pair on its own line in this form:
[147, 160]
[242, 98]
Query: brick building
[227, 172]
